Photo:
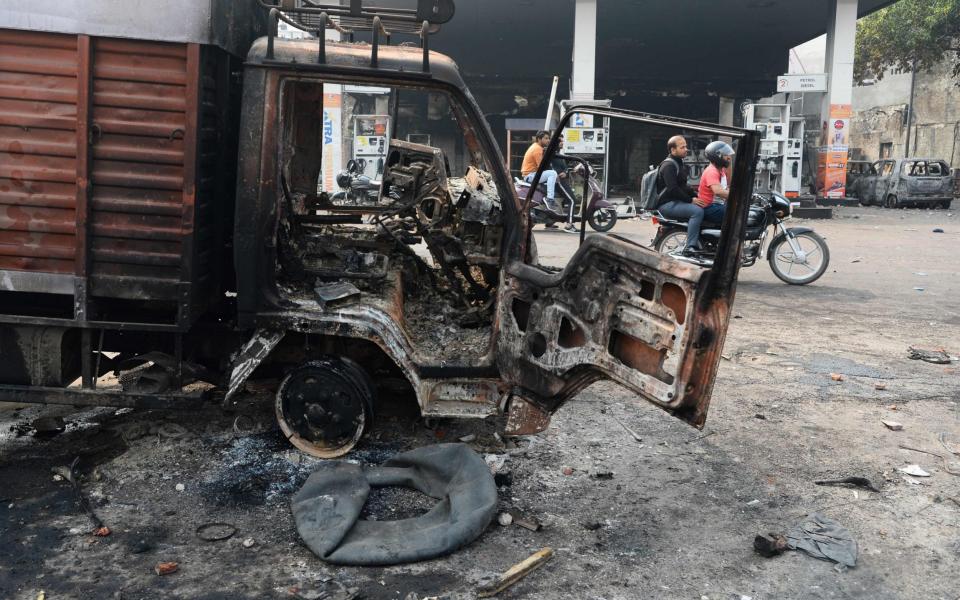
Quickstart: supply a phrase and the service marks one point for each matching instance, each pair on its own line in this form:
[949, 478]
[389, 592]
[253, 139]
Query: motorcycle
[797, 255]
[601, 214]
[356, 187]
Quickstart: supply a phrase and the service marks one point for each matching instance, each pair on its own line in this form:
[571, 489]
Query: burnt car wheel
[892, 202]
[945, 204]
[324, 405]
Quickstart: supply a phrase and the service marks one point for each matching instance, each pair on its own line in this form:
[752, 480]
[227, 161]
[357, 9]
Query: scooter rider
[713, 182]
[676, 199]
[531, 162]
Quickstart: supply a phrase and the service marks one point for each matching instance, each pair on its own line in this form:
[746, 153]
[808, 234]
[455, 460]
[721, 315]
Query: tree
[908, 35]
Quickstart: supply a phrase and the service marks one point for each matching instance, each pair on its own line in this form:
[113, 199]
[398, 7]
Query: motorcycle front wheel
[602, 219]
[803, 268]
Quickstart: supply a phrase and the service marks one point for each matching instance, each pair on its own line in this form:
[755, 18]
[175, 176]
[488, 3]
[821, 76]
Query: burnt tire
[945, 204]
[603, 219]
[324, 406]
[891, 202]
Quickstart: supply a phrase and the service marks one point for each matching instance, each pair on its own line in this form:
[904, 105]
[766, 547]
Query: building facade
[881, 111]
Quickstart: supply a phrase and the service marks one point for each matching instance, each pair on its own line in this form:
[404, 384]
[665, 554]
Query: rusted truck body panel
[115, 177]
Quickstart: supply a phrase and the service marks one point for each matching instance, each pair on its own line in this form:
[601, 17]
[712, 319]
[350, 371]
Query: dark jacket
[672, 182]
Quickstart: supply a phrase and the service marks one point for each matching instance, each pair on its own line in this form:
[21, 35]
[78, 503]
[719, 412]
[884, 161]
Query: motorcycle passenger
[560, 166]
[713, 182]
[676, 198]
[531, 162]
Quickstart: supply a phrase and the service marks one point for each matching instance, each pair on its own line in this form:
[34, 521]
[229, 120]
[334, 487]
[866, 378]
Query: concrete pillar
[836, 109]
[582, 83]
[726, 111]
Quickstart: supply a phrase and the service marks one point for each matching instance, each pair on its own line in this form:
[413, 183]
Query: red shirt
[711, 176]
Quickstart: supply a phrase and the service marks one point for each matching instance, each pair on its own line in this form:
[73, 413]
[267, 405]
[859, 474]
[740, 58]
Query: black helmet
[718, 152]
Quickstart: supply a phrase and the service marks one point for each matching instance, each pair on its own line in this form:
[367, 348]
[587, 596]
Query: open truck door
[619, 310]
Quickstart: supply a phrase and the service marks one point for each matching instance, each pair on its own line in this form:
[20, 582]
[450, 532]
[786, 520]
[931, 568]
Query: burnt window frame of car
[723, 274]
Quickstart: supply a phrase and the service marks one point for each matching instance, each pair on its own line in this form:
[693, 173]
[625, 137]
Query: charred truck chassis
[435, 284]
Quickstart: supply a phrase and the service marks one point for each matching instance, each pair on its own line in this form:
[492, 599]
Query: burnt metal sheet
[95, 397]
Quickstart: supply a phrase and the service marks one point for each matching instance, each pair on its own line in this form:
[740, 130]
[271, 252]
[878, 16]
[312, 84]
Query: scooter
[601, 214]
[356, 187]
[797, 255]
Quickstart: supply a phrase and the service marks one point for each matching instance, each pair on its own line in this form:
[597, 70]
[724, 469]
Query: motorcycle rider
[676, 199]
[531, 162]
[713, 182]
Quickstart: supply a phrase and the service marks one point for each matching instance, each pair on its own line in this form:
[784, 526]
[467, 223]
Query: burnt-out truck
[176, 221]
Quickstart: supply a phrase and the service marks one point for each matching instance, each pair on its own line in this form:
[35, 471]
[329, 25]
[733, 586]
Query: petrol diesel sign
[815, 82]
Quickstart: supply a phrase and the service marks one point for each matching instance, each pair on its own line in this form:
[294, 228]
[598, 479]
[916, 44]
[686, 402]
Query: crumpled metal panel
[38, 121]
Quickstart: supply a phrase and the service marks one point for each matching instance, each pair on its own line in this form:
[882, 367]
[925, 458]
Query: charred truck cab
[433, 281]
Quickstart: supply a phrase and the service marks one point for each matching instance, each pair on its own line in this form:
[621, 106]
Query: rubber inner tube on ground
[327, 508]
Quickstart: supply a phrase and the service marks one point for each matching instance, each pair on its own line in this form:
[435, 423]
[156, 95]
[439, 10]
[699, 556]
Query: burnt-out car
[856, 170]
[896, 182]
[412, 273]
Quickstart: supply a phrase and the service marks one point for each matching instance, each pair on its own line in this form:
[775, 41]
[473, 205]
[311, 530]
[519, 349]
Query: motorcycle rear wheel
[673, 242]
[602, 219]
[784, 263]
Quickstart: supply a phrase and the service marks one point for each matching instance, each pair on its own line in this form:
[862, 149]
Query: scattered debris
[836, 376]
[770, 545]
[249, 543]
[101, 531]
[824, 538]
[632, 433]
[469, 438]
[216, 532]
[505, 519]
[504, 478]
[495, 462]
[754, 502]
[179, 487]
[949, 447]
[937, 357]
[42, 595]
[238, 429]
[525, 521]
[760, 416]
[515, 574]
[567, 470]
[166, 568]
[919, 289]
[854, 481]
[912, 481]
[946, 463]
[45, 427]
[938, 230]
[332, 295]
[592, 525]
[879, 386]
[892, 425]
[920, 274]
[914, 470]
[602, 475]
[70, 474]
[857, 259]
